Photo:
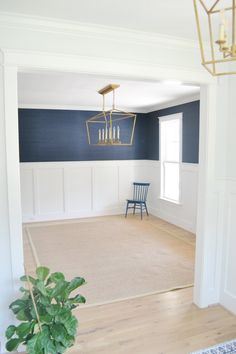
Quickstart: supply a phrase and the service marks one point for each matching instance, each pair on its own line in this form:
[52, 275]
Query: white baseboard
[184, 224]
[79, 215]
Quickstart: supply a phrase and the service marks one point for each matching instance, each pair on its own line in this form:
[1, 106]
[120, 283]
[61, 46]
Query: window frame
[165, 118]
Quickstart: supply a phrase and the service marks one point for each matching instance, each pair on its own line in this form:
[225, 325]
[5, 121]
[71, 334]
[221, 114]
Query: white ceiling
[76, 91]
[169, 17]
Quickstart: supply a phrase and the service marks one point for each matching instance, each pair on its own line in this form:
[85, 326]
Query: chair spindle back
[140, 191]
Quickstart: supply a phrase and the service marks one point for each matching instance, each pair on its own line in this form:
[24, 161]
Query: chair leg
[134, 208]
[146, 209]
[141, 208]
[126, 209]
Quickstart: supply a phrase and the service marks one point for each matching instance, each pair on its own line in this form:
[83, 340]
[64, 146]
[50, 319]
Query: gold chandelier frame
[228, 53]
[109, 133]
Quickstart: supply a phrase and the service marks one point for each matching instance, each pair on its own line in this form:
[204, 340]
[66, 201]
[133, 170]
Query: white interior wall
[64, 190]
[227, 177]
[29, 44]
[11, 250]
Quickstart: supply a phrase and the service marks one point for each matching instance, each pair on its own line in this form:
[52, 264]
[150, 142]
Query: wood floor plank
[158, 324]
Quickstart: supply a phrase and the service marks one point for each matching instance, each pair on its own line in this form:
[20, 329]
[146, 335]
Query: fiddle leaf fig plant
[45, 312]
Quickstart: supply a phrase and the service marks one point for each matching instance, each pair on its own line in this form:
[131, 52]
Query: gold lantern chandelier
[218, 54]
[111, 127]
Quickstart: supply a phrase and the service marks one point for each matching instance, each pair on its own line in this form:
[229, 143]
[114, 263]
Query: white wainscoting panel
[78, 189]
[50, 191]
[183, 214]
[127, 175]
[63, 190]
[27, 192]
[105, 188]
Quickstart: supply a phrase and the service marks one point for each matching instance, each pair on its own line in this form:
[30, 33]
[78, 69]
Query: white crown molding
[75, 108]
[37, 23]
[57, 107]
[175, 102]
[182, 100]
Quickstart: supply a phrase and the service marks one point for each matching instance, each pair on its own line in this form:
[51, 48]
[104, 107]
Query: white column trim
[208, 247]
[28, 60]
[11, 218]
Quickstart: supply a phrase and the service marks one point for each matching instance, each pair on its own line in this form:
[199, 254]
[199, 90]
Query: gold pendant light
[218, 53]
[111, 127]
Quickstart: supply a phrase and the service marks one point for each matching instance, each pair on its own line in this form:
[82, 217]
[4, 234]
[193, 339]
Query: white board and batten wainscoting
[65, 190]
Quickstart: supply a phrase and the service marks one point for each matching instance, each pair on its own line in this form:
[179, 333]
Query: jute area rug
[119, 258]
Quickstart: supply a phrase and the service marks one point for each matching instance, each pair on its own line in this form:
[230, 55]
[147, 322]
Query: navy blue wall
[190, 131]
[60, 135]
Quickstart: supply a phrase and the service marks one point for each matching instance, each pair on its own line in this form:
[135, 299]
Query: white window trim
[163, 119]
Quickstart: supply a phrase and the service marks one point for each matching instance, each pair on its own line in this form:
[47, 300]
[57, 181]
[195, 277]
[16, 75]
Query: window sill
[170, 201]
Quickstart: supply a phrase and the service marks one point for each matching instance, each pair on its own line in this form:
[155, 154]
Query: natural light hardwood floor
[167, 323]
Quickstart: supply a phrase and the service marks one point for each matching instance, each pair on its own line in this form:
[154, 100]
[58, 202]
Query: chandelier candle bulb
[222, 17]
[106, 134]
[110, 134]
[99, 135]
[222, 33]
[226, 37]
[118, 132]
[222, 26]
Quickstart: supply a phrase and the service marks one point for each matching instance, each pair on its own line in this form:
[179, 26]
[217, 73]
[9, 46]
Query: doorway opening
[65, 181]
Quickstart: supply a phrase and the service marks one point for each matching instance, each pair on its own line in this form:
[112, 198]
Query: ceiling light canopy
[111, 127]
[219, 21]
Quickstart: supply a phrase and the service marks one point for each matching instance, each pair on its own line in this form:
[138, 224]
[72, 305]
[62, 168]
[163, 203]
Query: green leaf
[71, 326]
[45, 301]
[46, 319]
[63, 316]
[56, 277]
[61, 289]
[79, 299]
[44, 336]
[24, 329]
[23, 290]
[10, 331]
[68, 341]
[31, 279]
[75, 283]
[60, 348]
[58, 332]
[34, 345]
[53, 309]
[21, 316]
[42, 272]
[50, 348]
[41, 287]
[18, 305]
[12, 344]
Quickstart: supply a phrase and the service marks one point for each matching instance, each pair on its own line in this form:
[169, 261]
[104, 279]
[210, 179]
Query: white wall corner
[176, 102]
[1, 57]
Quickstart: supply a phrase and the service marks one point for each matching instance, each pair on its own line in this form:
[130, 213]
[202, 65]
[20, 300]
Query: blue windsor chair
[140, 192]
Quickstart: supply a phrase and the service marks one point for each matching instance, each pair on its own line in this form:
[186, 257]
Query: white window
[170, 137]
